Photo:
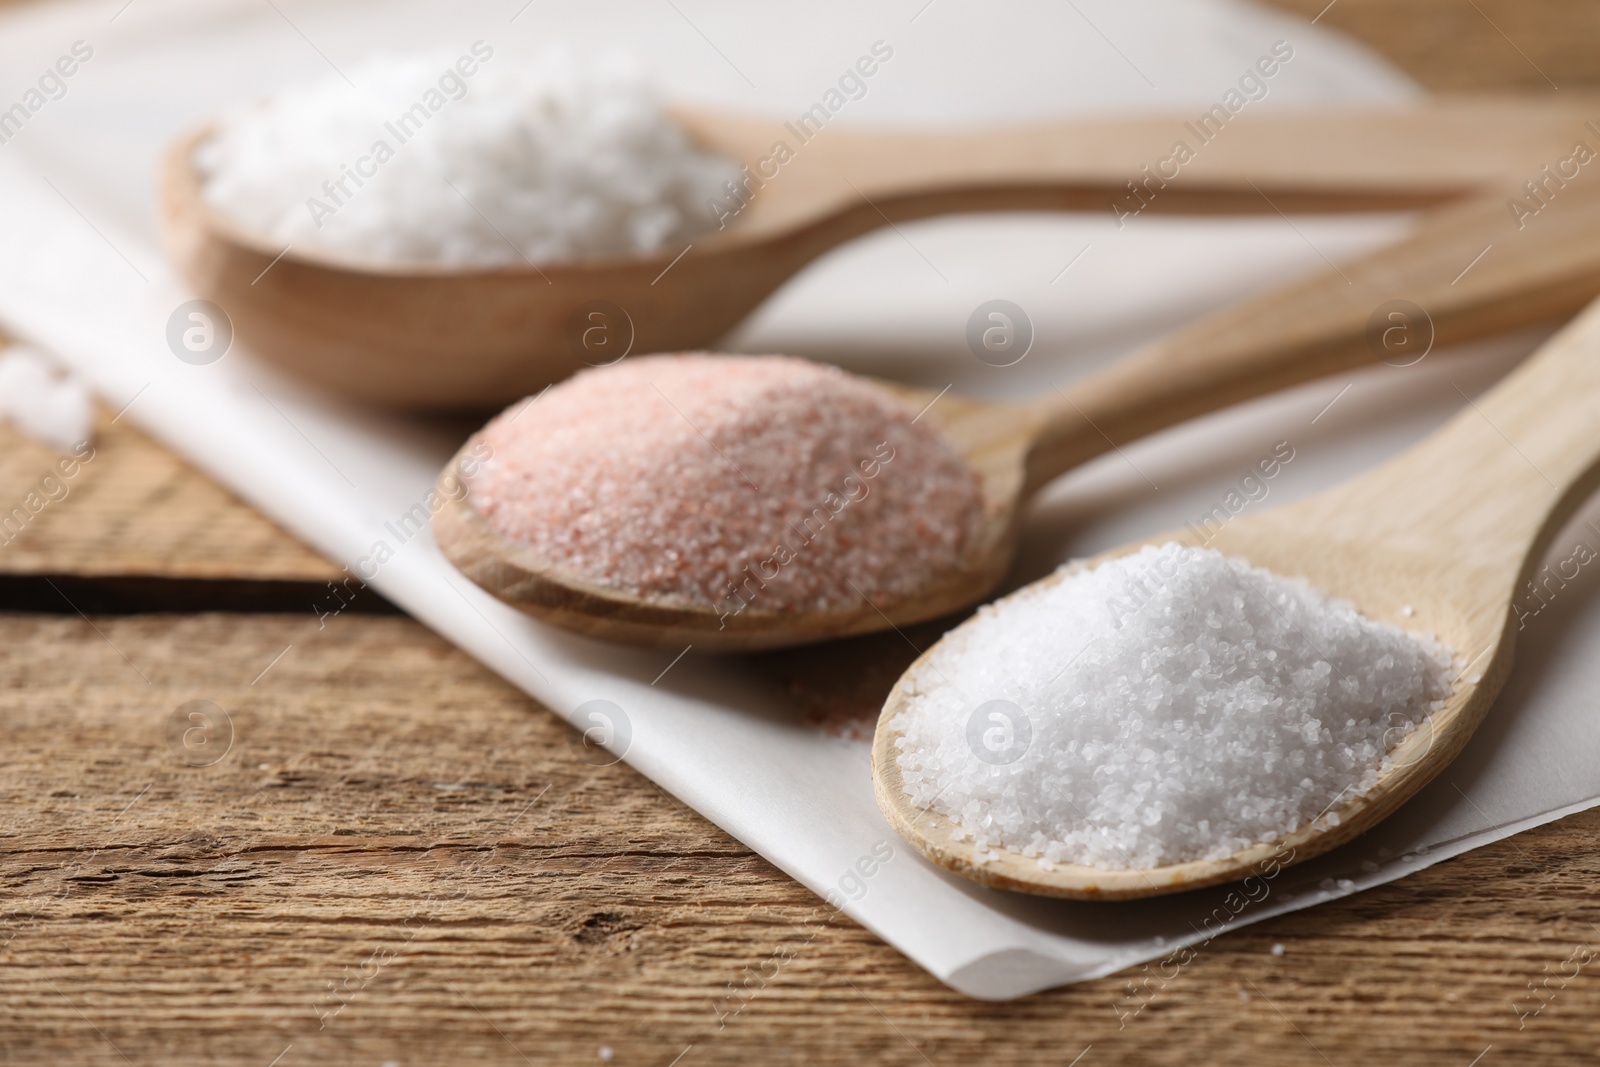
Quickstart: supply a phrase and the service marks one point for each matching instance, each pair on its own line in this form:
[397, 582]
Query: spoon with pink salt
[741, 503]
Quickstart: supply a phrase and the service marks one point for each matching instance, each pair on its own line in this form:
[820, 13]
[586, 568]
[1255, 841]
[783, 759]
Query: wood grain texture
[392, 815]
[204, 926]
[135, 509]
[1471, 45]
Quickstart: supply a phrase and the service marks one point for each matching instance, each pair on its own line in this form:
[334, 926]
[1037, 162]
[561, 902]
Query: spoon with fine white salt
[988, 768]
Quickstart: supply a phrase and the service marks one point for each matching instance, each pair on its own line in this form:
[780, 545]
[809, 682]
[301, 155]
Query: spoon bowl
[434, 337]
[985, 434]
[1440, 540]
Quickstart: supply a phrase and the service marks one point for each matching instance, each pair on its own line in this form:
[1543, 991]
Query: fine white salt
[52, 408]
[473, 159]
[1166, 706]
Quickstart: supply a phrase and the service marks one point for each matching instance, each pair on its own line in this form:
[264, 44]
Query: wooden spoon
[429, 337]
[1343, 318]
[1439, 540]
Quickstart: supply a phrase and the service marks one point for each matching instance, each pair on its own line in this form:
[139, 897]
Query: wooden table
[399, 858]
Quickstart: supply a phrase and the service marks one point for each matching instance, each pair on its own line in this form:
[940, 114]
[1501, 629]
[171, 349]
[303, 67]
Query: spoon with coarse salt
[1194, 709]
[622, 515]
[434, 336]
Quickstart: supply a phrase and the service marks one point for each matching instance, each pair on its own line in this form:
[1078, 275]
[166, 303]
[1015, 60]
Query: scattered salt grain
[1277, 950]
[52, 408]
[730, 482]
[1165, 706]
[420, 161]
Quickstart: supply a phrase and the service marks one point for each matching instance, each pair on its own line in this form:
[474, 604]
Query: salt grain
[1166, 706]
[764, 483]
[52, 408]
[420, 161]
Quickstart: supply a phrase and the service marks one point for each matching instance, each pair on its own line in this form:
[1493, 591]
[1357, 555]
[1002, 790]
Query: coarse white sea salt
[50, 407]
[471, 160]
[1165, 706]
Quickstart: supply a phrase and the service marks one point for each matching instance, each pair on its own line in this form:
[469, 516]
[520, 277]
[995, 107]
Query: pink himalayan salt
[730, 482]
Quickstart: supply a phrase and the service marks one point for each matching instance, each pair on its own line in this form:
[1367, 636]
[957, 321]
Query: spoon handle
[1488, 491]
[1469, 271]
[1456, 525]
[1208, 161]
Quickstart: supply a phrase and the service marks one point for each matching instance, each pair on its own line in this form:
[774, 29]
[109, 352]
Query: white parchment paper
[81, 274]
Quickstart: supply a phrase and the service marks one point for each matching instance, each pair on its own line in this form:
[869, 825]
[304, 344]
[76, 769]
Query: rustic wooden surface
[1473, 45]
[401, 859]
[136, 509]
